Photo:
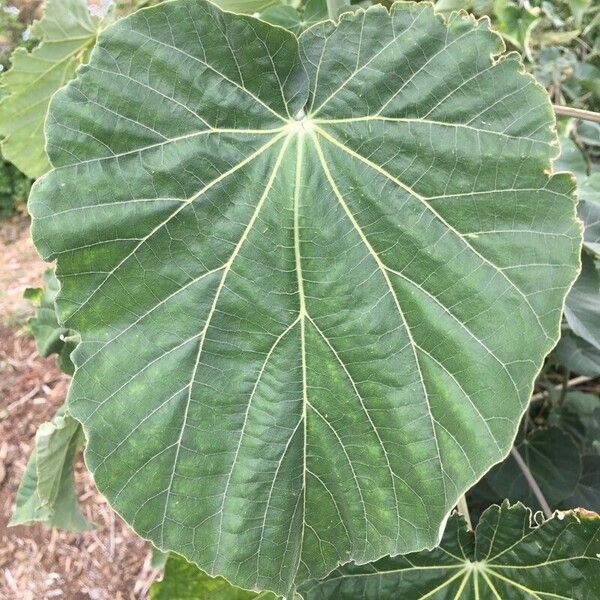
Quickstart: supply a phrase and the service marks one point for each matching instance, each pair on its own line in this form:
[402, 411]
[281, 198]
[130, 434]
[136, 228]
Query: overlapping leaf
[510, 555]
[67, 32]
[314, 277]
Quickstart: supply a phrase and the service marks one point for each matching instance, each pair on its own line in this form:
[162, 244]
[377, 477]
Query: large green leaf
[511, 556]
[47, 489]
[314, 277]
[67, 31]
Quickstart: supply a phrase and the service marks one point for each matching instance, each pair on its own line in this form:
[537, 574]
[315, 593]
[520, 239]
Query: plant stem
[335, 7]
[565, 386]
[572, 382]
[463, 510]
[577, 113]
[535, 488]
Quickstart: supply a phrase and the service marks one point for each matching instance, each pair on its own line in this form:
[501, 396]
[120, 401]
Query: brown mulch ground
[109, 563]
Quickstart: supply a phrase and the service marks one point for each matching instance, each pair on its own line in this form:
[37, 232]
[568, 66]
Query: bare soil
[109, 563]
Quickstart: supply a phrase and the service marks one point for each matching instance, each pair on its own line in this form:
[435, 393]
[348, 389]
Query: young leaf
[49, 335]
[302, 273]
[47, 490]
[511, 554]
[184, 581]
[66, 32]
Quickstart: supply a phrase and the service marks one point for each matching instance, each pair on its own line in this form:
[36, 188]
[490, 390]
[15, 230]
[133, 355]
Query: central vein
[302, 313]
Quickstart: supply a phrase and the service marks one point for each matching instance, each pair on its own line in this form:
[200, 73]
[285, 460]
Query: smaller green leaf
[294, 19]
[554, 461]
[184, 581]
[588, 210]
[244, 7]
[589, 133]
[515, 22]
[578, 355]
[47, 490]
[511, 555]
[49, 335]
[587, 492]
[66, 32]
[582, 307]
[284, 16]
[579, 416]
[315, 11]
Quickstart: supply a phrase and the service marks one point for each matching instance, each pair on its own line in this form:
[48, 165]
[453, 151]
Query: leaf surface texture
[301, 269]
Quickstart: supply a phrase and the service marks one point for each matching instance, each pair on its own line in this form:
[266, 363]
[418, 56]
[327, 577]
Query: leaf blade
[308, 355]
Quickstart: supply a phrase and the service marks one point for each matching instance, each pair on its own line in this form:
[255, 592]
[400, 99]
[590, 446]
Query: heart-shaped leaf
[314, 277]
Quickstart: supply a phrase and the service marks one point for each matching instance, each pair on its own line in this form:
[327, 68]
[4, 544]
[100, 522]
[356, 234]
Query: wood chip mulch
[109, 563]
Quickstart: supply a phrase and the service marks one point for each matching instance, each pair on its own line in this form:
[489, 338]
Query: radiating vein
[384, 273]
[213, 307]
[188, 201]
[438, 216]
